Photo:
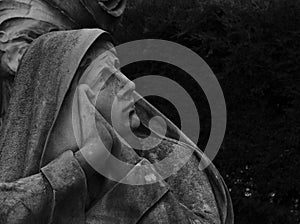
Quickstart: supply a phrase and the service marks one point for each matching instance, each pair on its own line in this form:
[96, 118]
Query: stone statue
[22, 21]
[44, 173]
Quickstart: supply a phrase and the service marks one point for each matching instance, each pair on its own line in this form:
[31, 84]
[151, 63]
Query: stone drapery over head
[44, 78]
[22, 21]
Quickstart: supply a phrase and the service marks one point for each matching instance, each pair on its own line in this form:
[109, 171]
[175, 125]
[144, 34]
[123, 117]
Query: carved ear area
[20, 23]
[106, 13]
[113, 7]
[16, 35]
[102, 14]
[11, 58]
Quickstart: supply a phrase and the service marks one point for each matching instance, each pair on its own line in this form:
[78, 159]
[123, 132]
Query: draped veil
[43, 79]
[45, 75]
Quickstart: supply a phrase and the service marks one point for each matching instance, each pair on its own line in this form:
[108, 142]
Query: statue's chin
[126, 126]
[134, 121]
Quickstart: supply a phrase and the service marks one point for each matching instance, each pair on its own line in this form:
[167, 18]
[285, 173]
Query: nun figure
[62, 157]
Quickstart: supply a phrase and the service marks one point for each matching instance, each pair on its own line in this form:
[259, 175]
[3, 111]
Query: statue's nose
[131, 86]
[127, 89]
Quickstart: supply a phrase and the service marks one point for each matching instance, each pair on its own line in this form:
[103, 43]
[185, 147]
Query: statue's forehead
[99, 64]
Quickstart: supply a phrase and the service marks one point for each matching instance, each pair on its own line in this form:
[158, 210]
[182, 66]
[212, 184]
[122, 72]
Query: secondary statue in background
[44, 177]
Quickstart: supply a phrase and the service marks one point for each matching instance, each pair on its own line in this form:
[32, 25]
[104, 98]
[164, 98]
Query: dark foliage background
[254, 49]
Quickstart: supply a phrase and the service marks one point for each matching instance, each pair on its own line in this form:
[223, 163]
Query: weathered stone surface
[189, 184]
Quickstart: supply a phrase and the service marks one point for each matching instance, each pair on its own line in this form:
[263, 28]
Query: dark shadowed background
[253, 47]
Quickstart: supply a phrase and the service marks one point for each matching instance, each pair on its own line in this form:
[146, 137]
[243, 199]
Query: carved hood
[43, 80]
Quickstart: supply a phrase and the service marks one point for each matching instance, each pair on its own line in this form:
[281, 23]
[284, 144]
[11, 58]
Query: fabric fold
[126, 204]
[44, 78]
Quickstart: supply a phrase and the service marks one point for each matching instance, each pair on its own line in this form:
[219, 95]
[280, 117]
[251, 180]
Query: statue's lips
[130, 107]
[134, 120]
[132, 111]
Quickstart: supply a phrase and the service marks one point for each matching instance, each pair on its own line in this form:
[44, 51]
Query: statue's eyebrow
[109, 80]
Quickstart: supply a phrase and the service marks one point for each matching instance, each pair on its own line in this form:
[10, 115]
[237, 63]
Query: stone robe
[31, 192]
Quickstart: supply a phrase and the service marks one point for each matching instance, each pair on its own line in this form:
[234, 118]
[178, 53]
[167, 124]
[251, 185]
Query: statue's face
[116, 103]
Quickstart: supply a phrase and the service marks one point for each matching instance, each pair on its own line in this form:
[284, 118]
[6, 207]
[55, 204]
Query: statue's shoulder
[178, 164]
